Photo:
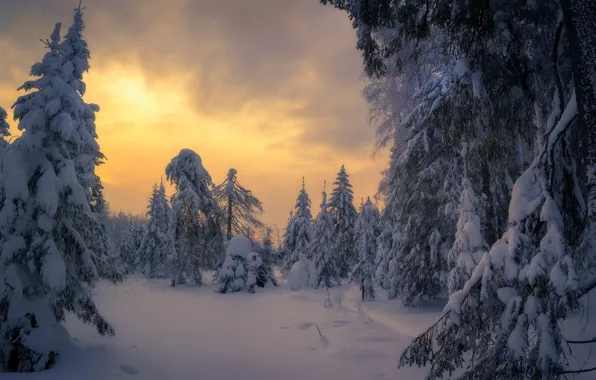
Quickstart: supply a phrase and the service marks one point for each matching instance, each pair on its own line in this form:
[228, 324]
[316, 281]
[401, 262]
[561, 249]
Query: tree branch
[577, 371]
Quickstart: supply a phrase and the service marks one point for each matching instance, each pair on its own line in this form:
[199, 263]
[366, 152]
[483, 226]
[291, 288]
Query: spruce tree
[156, 243]
[341, 207]
[76, 55]
[195, 228]
[367, 231]
[265, 273]
[469, 245]
[127, 256]
[4, 131]
[46, 267]
[240, 208]
[323, 256]
[233, 274]
[299, 233]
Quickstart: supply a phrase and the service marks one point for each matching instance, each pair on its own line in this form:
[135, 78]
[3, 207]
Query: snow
[303, 274]
[271, 334]
[239, 246]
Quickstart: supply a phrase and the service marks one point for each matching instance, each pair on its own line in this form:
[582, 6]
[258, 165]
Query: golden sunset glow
[276, 96]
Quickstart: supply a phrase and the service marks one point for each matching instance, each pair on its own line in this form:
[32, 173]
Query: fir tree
[341, 207]
[196, 232]
[469, 246]
[156, 243]
[240, 206]
[321, 247]
[367, 231]
[4, 131]
[76, 55]
[299, 231]
[265, 273]
[46, 267]
[233, 274]
[127, 254]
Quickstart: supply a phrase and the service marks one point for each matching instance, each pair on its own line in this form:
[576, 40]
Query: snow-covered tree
[233, 274]
[240, 208]
[46, 265]
[4, 130]
[469, 246]
[76, 55]
[265, 273]
[255, 276]
[298, 231]
[195, 217]
[156, 243]
[127, 256]
[302, 274]
[321, 246]
[367, 231]
[341, 207]
[118, 223]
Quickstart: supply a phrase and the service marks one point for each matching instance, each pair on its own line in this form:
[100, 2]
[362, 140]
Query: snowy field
[193, 333]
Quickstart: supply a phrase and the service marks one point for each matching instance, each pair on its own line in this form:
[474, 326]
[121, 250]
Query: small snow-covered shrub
[233, 274]
[303, 274]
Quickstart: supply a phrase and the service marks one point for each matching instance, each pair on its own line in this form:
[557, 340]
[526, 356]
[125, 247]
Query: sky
[271, 88]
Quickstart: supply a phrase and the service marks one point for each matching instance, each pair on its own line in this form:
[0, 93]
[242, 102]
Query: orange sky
[269, 87]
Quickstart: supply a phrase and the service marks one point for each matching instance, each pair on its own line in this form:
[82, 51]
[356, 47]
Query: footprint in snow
[340, 323]
[284, 327]
[305, 325]
[128, 369]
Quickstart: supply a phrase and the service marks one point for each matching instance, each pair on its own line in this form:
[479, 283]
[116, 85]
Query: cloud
[269, 86]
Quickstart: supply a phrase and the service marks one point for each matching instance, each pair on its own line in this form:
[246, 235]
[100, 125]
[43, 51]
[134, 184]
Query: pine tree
[240, 206]
[299, 231]
[4, 131]
[195, 217]
[367, 231]
[127, 255]
[321, 247]
[46, 267]
[469, 246]
[156, 243]
[341, 207]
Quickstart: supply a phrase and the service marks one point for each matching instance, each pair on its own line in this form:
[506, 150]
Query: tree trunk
[229, 232]
[580, 27]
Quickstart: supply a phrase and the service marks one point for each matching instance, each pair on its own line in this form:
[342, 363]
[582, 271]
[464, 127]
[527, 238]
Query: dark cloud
[240, 51]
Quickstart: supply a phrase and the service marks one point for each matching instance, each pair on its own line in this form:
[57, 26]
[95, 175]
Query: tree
[265, 271]
[299, 231]
[46, 268]
[341, 207]
[505, 321]
[196, 232]
[469, 245]
[76, 55]
[367, 231]
[4, 130]
[240, 205]
[233, 274]
[321, 247]
[127, 255]
[156, 243]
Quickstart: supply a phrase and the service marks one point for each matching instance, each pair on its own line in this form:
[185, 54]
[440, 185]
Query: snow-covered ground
[193, 333]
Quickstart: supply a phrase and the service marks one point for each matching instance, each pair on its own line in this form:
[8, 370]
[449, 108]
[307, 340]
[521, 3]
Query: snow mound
[302, 275]
[239, 246]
